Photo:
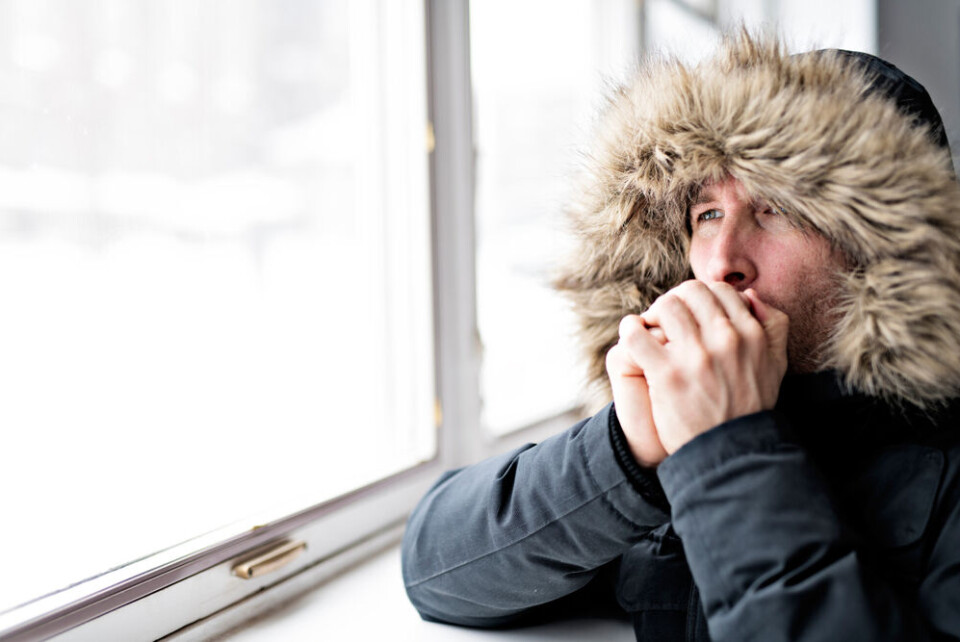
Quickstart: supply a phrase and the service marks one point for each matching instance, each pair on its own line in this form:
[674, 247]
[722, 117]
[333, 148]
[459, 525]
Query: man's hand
[721, 355]
[632, 400]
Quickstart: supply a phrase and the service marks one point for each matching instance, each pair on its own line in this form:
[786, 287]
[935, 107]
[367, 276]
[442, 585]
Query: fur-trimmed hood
[811, 134]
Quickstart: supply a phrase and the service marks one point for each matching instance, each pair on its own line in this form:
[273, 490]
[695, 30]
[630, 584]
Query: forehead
[726, 189]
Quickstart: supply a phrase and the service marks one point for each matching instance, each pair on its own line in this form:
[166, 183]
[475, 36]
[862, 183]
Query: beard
[812, 310]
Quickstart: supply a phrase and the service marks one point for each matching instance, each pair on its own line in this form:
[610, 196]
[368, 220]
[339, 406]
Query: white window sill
[368, 602]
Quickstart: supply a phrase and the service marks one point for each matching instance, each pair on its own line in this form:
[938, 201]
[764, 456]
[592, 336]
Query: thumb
[775, 323]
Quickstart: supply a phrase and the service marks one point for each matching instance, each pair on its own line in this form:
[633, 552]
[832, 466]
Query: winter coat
[834, 516]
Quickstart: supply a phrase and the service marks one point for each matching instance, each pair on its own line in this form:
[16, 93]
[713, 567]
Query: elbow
[436, 599]
[434, 606]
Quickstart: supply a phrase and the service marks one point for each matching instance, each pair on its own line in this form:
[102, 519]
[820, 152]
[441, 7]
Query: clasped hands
[701, 355]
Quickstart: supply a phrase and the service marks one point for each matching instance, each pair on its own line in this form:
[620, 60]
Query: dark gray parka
[835, 516]
[831, 518]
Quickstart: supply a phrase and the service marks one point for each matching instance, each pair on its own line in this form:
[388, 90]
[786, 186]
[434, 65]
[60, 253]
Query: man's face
[753, 245]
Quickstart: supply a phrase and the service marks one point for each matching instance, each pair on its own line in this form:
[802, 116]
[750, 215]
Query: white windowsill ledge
[368, 602]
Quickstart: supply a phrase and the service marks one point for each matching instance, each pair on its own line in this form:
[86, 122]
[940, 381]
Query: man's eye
[709, 215]
[774, 210]
[776, 219]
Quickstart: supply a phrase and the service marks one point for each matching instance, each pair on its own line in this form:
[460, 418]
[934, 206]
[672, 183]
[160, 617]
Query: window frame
[186, 592]
[161, 594]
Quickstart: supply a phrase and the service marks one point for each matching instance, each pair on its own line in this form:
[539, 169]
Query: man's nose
[731, 260]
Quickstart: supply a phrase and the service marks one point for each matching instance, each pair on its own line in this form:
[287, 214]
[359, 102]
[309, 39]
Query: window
[215, 249]
[539, 69]
[691, 28]
[675, 26]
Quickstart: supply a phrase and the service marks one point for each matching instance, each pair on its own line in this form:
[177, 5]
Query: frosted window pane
[214, 268]
[539, 71]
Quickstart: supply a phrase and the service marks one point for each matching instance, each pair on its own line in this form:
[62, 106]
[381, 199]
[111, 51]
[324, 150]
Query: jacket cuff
[644, 480]
[603, 465]
[759, 432]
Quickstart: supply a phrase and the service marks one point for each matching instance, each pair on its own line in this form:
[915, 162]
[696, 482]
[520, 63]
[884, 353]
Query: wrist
[643, 479]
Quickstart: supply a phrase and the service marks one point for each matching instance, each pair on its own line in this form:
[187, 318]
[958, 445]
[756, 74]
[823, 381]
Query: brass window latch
[269, 560]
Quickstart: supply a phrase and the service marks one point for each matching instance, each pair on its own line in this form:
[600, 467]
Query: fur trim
[805, 133]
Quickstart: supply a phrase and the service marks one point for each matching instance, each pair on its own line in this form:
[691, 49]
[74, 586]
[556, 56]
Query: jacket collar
[824, 412]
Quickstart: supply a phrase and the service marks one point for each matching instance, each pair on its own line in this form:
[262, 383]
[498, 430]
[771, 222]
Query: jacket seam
[513, 543]
[600, 495]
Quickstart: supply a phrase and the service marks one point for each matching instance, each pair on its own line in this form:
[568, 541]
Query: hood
[825, 136]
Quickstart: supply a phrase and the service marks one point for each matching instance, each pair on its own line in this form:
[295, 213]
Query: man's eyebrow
[700, 199]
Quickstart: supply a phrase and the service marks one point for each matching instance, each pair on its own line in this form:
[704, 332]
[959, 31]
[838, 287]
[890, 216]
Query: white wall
[922, 37]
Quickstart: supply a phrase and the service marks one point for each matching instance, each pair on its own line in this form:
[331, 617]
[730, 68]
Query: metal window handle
[269, 560]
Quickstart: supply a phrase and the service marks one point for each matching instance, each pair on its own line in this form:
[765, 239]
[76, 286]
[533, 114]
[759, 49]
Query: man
[769, 287]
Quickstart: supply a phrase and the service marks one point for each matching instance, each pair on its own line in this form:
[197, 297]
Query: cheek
[697, 258]
[792, 267]
[781, 266]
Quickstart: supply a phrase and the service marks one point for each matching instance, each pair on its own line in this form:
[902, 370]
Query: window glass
[852, 24]
[539, 68]
[214, 269]
[676, 30]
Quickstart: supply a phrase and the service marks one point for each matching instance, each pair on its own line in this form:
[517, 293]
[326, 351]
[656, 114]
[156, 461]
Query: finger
[632, 397]
[657, 333]
[716, 331]
[651, 321]
[674, 317]
[653, 328]
[775, 323]
[735, 304]
[652, 317]
[701, 302]
[737, 307]
[642, 346]
[620, 364]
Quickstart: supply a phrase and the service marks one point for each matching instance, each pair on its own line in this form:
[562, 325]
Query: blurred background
[219, 248]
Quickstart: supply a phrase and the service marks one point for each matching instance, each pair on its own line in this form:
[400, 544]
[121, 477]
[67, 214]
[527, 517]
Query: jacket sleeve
[769, 553]
[491, 542]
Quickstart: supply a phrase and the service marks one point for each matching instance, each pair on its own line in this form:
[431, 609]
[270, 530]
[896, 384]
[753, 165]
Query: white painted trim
[194, 597]
[262, 602]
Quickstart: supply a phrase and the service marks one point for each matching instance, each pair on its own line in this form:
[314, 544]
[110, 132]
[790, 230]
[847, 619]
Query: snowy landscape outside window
[539, 69]
[214, 269]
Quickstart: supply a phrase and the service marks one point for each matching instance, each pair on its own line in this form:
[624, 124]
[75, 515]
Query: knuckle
[629, 325]
[701, 363]
[670, 301]
[614, 357]
[675, 378]
[611, 355]
[690, 286]
[722, 286]
[754, 333]
[666, 296]
[727, 337]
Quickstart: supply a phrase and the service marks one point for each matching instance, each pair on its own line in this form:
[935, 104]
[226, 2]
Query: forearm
[766, 545]
[493, 540]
